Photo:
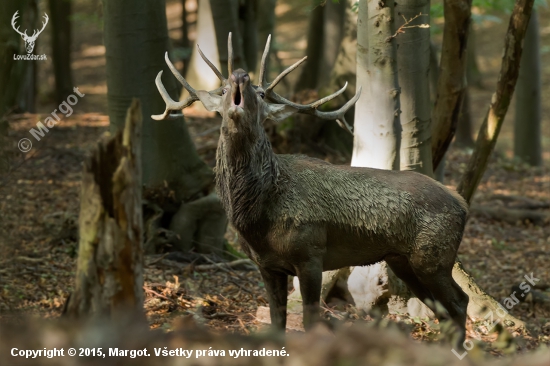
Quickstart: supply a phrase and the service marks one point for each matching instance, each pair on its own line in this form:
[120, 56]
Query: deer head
[244, 106]
[29, 41]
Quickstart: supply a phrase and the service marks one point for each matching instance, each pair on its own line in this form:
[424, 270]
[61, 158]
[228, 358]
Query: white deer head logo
[29, 41]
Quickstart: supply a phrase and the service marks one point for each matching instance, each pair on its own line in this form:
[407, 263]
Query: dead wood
[510, 215]
[109, 276]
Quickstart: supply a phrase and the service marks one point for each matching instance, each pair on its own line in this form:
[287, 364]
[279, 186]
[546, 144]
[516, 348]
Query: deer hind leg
[277, 289]
[310, 275]
[439, 281]
[400, 266]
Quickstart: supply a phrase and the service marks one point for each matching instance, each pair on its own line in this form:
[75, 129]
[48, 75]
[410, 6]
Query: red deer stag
[301, 216]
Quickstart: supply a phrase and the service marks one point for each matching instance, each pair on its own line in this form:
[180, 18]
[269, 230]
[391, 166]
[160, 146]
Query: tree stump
[109, 278]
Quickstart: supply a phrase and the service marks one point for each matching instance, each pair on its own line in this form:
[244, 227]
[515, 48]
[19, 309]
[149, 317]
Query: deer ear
[278, 112]
[212, 102]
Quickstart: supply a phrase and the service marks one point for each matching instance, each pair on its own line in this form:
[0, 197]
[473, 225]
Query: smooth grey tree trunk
[413, 62]
[377, 140]
[136, 39]
[527, 122]
[377, 123]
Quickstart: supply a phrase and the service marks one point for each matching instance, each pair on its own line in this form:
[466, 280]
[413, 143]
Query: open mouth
[238, 98]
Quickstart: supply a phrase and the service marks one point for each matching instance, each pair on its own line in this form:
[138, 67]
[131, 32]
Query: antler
[172, 105]
[15, 16]
[311, 108]
[36, 32]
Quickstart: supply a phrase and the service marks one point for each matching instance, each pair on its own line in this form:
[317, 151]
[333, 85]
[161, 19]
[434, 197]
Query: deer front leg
[277, 291]
[310, 276]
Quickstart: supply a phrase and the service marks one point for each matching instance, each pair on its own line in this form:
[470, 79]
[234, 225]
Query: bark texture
[490, 128]
[527, 123]
[413, 63]
[377, 137]
[377, 126]
[109, 276]
[451, 83]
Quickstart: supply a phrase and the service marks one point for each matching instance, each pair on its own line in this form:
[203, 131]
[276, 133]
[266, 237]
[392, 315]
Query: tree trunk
[225, 14]
[10, 43]
[185, 41]
[377, 125]
[527, 133]
[315, 35]
[248, 28]
[109, 278]
[345, 66]
[439, 173]
[490, 128]
[26, 97]
[333, 27]
[377, 136]
[266, 26]
[135, 48]
[413, 62]
[464, 137]
[451, 85]
[464, 129]
[61, 48]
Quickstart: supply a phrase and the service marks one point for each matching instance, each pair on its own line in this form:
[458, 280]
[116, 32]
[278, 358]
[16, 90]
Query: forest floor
[39, 202]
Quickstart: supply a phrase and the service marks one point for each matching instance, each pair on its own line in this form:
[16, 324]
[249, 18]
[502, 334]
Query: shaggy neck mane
[246, 176]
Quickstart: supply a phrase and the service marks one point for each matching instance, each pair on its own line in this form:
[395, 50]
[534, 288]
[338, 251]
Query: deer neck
[246, 176]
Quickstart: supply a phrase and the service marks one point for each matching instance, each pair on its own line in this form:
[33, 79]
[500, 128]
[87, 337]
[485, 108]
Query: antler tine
[178, 76]
[229, 55]
[214, 68]
[311, 108]
[171, 105]
[263, 65]
[285, 73]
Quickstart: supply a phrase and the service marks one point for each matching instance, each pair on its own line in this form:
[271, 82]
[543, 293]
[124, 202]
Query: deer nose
[240, 77]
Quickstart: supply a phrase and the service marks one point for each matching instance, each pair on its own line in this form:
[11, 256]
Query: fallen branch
[233, 264]
[520, 202]
[510, 215]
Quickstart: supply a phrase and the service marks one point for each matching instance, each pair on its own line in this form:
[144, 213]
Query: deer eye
[262, 95]
[224, 91]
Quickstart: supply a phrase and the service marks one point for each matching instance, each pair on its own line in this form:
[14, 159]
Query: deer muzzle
[236, 108]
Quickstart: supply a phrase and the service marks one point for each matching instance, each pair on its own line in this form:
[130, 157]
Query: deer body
[301, 216]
